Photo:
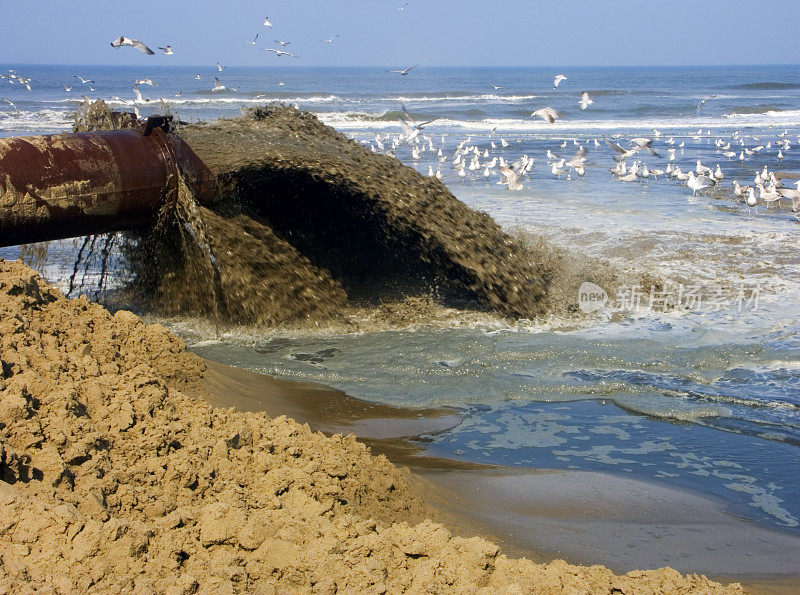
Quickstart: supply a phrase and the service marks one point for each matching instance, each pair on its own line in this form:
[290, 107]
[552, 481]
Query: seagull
[412, 128]
[11, 103]
[644, 144]
[585, 101]
[266, 22]
[138, 95]
[146, 82]
[495, 87]
[547, 114]
[218, 86]
[405, 71]
[67, 89]
[557, 80]
[623, 153]
[83, 80]
[134, 43]
[751, 199]
[197, 76]
[703, 102]
[331, 40]
[280, 53]
[403, 8]
[696, 183]
[254, 40]
[220, 67]
[282, 43]
[167, 51]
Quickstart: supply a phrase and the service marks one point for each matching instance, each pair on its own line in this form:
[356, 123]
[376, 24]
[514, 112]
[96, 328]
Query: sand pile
[113, 477]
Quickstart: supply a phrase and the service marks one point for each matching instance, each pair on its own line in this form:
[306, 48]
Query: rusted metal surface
[68, 185]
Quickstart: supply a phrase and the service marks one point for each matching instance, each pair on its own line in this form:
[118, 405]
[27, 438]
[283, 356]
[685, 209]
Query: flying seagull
[585, 101]
[83, 80]
[11, 103]
[548, 114]
[146, 82]
[703, 102]
[405, 71]
[557, 80]
[623, 153]
[403, 8]
[134, 43]
[138, 96]
[644, 144]
[495, 87]
[254, 40]
[332, 39]
[408, 120]
[220, 67]
[167, 51]
[282, 43]
[266, 22]
[280, 53]
[218, 86]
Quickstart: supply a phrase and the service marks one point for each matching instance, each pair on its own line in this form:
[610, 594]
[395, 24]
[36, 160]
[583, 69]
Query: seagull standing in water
[557, 80]
[123, 41]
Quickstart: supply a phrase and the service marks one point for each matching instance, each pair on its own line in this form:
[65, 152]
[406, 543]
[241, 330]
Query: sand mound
[379, 228]
[113, 478]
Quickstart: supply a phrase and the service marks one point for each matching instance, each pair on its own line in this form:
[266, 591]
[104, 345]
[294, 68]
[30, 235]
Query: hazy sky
[433, 32]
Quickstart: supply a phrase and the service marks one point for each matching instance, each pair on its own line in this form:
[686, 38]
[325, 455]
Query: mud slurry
[113, 476]
[380, 229]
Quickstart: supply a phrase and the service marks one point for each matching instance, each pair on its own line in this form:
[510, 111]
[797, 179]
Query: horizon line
[421, 66]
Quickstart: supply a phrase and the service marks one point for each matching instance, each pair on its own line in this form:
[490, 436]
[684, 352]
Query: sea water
[695, 383]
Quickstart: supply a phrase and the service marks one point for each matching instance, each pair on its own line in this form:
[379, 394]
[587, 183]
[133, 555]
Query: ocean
[695, 385]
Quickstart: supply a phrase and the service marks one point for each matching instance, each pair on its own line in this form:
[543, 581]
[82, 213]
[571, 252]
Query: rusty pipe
[67, 185]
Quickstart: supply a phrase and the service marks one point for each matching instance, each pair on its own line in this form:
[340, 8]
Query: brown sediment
[115, 477]
[380, 229]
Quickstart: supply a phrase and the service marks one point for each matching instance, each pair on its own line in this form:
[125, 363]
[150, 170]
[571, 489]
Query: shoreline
[582, 517]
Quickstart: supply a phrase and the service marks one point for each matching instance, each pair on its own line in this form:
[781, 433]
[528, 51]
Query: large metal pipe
[68, 185]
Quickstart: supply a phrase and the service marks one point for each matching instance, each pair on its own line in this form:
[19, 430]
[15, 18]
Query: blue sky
[432, 32]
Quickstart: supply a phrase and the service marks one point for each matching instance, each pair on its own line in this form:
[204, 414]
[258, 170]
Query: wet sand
[583, 517]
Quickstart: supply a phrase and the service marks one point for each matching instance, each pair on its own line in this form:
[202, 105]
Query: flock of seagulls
[485, 161]
[469, 158]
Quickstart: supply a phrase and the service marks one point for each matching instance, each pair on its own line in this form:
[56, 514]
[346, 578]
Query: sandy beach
[116, 476]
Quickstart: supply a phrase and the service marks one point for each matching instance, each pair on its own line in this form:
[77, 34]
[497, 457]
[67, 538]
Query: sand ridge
[114, 477]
